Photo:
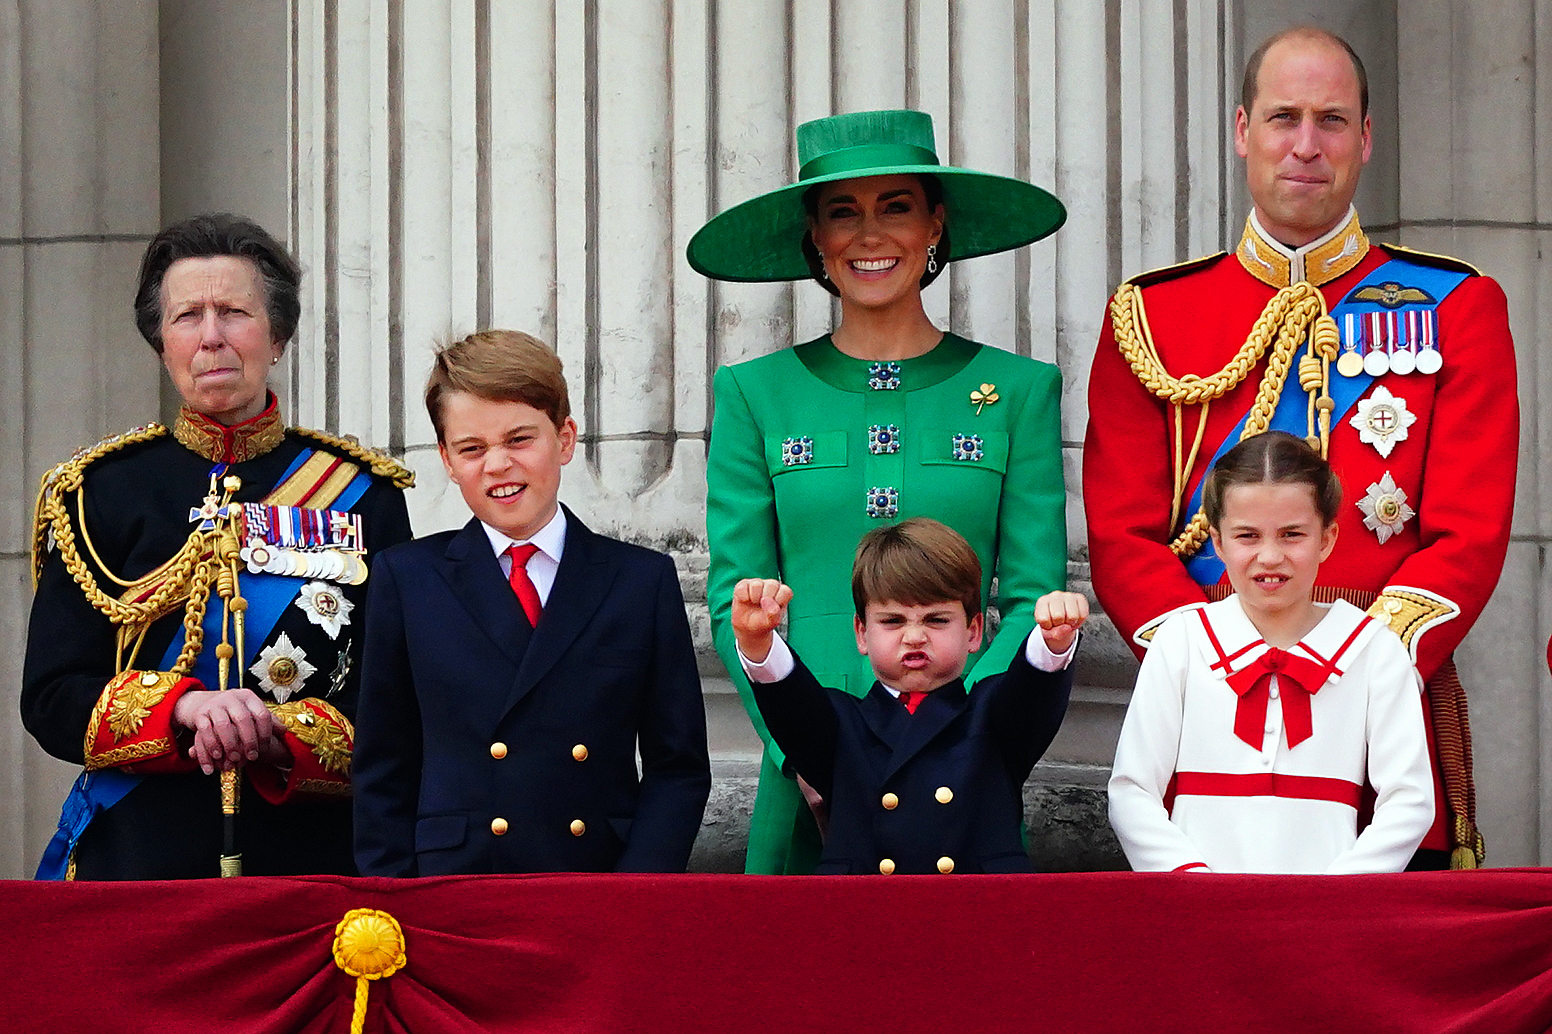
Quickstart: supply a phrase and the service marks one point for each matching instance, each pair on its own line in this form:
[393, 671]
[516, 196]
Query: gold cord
[1295, 315]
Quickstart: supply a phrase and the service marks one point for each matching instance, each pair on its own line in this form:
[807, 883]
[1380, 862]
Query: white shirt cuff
[778, 664]
[1039, 655]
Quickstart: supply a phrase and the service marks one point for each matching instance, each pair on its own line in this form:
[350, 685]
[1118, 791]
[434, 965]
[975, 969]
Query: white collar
[551, 539]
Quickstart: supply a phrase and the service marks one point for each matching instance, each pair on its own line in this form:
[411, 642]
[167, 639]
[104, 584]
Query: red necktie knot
[522, 585]
[912, 699]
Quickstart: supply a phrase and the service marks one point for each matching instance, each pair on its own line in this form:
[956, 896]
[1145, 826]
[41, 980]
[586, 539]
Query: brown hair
[500, 366]
[1273, 458]
[917, 562]
[1251, 85]
[209, 236]
[932, 190]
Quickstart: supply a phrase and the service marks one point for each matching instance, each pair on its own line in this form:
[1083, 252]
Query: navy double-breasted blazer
[939, 790]
[484, 745]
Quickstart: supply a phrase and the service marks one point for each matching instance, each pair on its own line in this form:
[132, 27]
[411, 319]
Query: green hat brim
[759, 241]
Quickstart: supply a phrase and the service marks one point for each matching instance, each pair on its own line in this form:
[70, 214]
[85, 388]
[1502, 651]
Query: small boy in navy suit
[513, 669]
[918, 776]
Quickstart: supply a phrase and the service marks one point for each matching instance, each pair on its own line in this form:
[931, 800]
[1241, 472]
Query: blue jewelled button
[883, 439]
[797, 451]
[883, 376]
[883, 502]
[968, 448]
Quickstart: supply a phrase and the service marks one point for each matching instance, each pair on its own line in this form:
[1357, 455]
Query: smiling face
[216, 339]
[873, 235]
[1304, 140]
[1272, 541]
[917, 647]
[505, 457]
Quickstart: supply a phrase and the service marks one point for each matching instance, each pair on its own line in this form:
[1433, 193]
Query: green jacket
[800, 443]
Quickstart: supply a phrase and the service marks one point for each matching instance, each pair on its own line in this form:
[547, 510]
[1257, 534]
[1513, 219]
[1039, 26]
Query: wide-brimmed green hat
[761, 239]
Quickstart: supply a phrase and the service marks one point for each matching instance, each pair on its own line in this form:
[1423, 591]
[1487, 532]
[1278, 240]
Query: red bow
[1298, 679]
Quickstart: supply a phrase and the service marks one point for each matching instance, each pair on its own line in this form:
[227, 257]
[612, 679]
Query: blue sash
[268, 595]
[1292, 410]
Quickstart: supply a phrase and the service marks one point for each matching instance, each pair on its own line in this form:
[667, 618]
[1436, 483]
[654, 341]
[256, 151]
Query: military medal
[1429, 361]
[1350, 364]
[1382, 420]
[1403, 357]
[1376, 362]
[325, 607]
[1385, 508]
[282, 669]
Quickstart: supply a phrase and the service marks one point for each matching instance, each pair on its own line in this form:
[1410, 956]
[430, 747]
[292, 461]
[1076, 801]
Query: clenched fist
[759, 604]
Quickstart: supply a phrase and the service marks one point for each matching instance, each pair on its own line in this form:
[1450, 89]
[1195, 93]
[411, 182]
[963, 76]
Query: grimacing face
[217, 344]
[506, 459]
[1305, 139]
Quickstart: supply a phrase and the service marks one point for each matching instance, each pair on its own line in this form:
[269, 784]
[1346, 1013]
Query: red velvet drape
[1468, 952]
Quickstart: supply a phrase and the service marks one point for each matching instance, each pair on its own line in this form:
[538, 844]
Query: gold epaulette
[380, 463]
[1163, 273]
[66, 477]
[1428, 258]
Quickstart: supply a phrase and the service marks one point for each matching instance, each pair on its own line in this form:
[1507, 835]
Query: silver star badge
[1385, 508]
[282, 669]
[1382, 420]
[325, 606]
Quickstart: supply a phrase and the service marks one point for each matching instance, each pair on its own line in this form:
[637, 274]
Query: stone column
[78, 201]
[1476, 123]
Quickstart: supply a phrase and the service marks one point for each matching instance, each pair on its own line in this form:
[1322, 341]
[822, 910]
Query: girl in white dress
[1257, 720]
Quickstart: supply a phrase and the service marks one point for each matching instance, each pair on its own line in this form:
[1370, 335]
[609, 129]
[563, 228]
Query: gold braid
[381, 463]
[188, 575]
[1295, 314]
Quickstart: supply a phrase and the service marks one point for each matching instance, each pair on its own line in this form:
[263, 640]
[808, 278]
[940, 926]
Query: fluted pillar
[78, 201]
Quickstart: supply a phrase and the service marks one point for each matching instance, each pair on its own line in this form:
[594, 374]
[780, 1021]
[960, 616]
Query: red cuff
[132, 728]
[320, 740]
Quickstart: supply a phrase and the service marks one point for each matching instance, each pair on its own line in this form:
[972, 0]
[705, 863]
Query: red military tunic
[1454, 460]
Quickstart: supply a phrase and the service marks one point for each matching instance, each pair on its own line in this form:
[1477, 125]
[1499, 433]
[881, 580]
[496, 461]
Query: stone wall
[441, 166]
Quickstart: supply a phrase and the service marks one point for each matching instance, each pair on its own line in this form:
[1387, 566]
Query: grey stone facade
[439, 167]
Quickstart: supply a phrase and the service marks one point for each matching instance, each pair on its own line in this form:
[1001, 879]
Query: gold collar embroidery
[237, 444]
[1319, 262]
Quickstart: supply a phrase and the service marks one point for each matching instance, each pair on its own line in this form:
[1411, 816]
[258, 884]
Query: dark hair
[917, 562]
[932, 189]
[1273, 458]
[210, 235]
[1251, 85]
[501, 366]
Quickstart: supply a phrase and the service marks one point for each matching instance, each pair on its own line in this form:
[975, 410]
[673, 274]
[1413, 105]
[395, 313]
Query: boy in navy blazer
[918, 776]
[513, 669]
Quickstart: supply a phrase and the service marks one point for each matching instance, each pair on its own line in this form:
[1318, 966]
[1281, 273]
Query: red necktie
[527, 595]
[912, 700]
[1298, 678]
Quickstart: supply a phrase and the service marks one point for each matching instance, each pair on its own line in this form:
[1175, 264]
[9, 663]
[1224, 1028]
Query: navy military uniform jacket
[940, 790]
[137, 502]
[484, 745]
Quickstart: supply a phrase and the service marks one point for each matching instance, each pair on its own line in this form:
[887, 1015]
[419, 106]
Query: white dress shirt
[542, 566]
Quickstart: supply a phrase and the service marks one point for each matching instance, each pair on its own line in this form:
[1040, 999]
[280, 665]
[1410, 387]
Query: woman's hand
[759, 604]
[229, 729]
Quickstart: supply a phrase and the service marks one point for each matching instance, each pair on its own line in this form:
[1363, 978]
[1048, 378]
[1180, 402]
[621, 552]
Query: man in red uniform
[1408, 387]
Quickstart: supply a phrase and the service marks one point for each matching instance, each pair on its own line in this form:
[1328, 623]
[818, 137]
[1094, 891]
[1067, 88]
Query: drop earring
[932, 258]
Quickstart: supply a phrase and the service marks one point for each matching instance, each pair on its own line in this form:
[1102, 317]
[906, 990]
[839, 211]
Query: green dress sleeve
[740, 526]
[1031, 549]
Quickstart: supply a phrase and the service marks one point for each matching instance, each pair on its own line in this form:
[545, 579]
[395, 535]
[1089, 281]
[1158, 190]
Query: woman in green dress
[887, 417]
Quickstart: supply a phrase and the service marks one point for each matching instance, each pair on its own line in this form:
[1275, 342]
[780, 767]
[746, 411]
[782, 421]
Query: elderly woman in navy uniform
[199, 591]
[887, 417]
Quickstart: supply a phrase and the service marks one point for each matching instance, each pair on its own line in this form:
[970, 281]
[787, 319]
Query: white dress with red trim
[1236, 756]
